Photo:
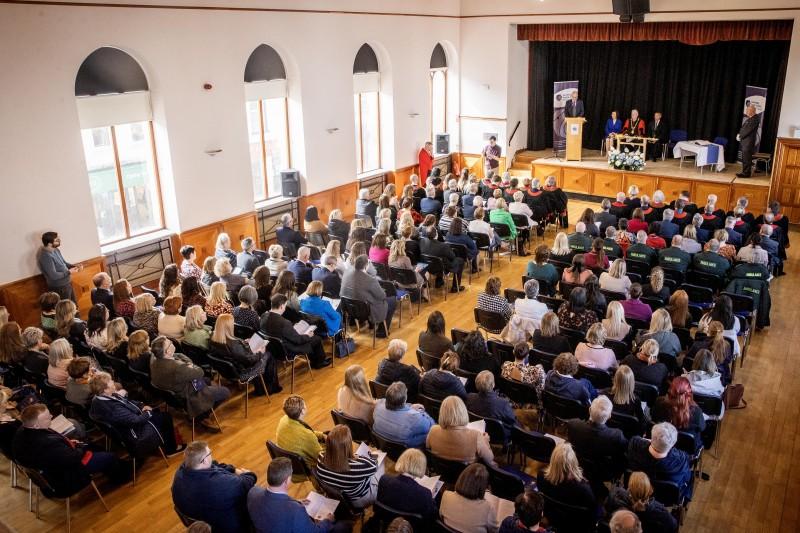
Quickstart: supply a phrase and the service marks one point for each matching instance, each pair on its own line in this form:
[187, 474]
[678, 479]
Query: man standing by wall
[56, 271]
[491, 157]
[747, 140]
[425, 161]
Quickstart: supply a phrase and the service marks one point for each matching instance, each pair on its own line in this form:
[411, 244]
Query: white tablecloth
[701, 151]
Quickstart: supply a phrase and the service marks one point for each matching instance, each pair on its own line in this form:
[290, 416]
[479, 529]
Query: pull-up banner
[561, 93]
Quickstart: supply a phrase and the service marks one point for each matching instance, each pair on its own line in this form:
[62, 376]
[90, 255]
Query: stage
[592, 176]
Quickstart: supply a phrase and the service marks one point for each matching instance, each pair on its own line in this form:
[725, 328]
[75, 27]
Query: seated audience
[722, 312]
[466, 509]
[403, 492]
[337, 226]
[396, 420]
[195, 331]
[595, 299]
[357, 284]
[433, 340]
[659, 459]
[597, 257]
[170, 322]
[452, 439]
[675, 257]
[661, 331]
[47, 303]
[577, 274]
[170, 282]
[35, 359]
[530, 308]
[208, 276]
[192, 293]
[123, 299]
[12, 347]
[543, 271]
[78, 390]
[272, 510]
[679, 409]
[634, 308]
[580, 241]
[623, 396]
[704, 376]
[174, 372]
[594, 440]
[431, 246]
[224, 271]
[276, 263]
[638, 498]
[457, 234]
[690, 243]
[59, 356]
[301, 266]
[391, 369]
[678, 309]
[563, 478]
[139, 354]
[487, 403]
[641, 251]
[753, 252]
[547, 338]
[223, 249]
[521, 370]
[244, 314]
[68, 325]
[314, 304]
[101, 293]
[213, 492]
[248, 364]
[491, 300]
[288, 237]
[645, 365]
[285, 285]
[354, 398]
[328, 274]
[218, 303]
[573, 313]
[562, 382]
[616, 279]
[528, 512]
[248, 260]
[656, 287]
[442, 382]
[592, 353]
[614, 323]
[354, 476]
[710, 261]
[146, 315]
[273, 324]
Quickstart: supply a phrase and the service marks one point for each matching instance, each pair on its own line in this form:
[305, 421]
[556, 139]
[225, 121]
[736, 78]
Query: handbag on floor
[733, 397]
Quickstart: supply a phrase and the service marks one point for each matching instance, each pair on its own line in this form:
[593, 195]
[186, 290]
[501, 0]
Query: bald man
[747, 140]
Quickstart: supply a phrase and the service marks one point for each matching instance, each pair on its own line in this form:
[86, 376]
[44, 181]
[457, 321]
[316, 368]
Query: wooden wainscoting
[342, 197]
[647, 184]
[204, 238]
[474, 162]
[544, 171]
[702, 189]
[757, 196]
[401, 177]
[21, 297]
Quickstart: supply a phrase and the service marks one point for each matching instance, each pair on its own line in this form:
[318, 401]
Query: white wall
[43, 168]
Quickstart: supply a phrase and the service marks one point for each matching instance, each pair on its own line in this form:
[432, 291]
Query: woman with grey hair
[659, 459]
[530, 307]
[244, 314]
[223, 249]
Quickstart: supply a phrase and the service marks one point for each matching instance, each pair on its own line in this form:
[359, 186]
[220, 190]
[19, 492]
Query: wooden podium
[574, 138]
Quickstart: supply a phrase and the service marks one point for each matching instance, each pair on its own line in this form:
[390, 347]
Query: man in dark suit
[747, 140]
[301, 266]
[247, 260]
[604, 217]
[430, 245]
[288, 237]
[328, 276]
[358, 285]
[430, 205]
[659, 130]
[596, 441]
[274, 325]
[65, 463]
[574, 107]
[101, 294]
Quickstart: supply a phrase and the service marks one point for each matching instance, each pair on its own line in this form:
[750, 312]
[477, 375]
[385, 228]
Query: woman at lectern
[613, 127]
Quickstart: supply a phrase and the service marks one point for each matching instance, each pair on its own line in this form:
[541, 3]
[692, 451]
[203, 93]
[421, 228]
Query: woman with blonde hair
[616, 279]
[217, 302]
[592, 353]
[452, 439]
[67, 325]
[337, 226]
[403, 492]
[224, 271]
[560, 250]
[548, 337]
[4, 313]
[614, 323]
[661, 331]
[720, 348]
[208, 276]
[170, 322]
[222, 249]
[407, 221]
[623, 395]
[704, 376]
[334, 249]
[355, 476]
[563, 479]
[59, 357]
[359, 248]
[196, 332]
[726, 250]
[645, 365]
[248, 364]
[146, 315]
[354, 398]
[123, 299]
[678, 309]
[399, 259]
[276, 264]
[655, 287]
[314, 304]
[638, 497]
[117, 338]
[139, 351]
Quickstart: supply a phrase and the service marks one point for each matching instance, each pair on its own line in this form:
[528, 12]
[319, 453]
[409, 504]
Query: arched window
[118, 143]
[267, 120]
[438, 91]
[366, 103]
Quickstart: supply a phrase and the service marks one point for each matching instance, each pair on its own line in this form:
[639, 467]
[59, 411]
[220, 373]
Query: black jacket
[748, 131]
[597, 441]
[441, 250]
[104, 296]
[331, 282]
[48, 451]
[491, 405]
[404, 494]
[237, 352]
[439, 384]
[340, 228]
[391, 371]
[127, 417]
[275, 325]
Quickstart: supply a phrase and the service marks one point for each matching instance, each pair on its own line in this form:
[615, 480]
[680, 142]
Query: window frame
[431, 73]
[359, 115]
[262, 124]
[123, 200]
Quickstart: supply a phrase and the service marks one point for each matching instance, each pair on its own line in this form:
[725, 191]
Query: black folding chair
[601, 379]
[448, 469]
[653, 302]
[502, 351]
[360, 312]
[384, 514]
[458, 335]
[612, 296]
[359, 429]
[113, 435]
[504, 232]
[432, 405]
[398, 295]
[280, 353]
[575, 336]
[392, 448]
[513, 295]
[299, 466]
[490, 321]
[503, 483]
[647, 392]
[565, 288]
[460, 250]
[407, 278]
[699, 295]
[621, 349]
[427, 361]
[628, 424]
[532, 444]
[637, 267]
[227, 370]
[566, 517]
[543, 358]
[712, 406]
[382, 269]
[483, 243]
[240, 331]
[552, 303]
[562, 409]
[436, 268]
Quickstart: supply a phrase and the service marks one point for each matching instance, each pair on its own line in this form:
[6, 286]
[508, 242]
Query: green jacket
[501, 216]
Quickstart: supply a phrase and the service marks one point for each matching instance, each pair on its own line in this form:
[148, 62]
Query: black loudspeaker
[631, 10]
[443, 143]
[290, 183]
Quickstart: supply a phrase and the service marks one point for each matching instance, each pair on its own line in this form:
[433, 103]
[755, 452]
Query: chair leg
[30, 495]
[374, 334]
[246, 398]
[261, 377]
[192, 429]
[100, 496]
[214, 414]
[163, 456]
[68, 515]
[308, 364]
[134, 471]
[37, 502]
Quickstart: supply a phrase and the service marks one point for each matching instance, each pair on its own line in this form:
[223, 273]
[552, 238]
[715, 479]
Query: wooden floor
[755, 481]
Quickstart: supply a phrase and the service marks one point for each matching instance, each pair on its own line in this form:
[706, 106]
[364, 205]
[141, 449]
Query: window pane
[276, 137]
[138, 165]
[256, 155]
[103, 183]
[357, 115]
[438, 99]
[370, 134]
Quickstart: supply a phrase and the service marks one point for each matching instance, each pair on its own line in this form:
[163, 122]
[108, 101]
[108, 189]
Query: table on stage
[634, 140]
[706, 153]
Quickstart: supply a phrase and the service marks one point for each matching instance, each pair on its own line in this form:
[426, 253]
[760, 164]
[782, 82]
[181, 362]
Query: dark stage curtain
[699, 89]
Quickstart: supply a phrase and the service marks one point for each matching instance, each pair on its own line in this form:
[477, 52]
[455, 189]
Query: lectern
[574, 138]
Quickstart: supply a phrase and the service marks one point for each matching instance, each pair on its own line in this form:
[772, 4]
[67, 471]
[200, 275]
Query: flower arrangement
[626, 160]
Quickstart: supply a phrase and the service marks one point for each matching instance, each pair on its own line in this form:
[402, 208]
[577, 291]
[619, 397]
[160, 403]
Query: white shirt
[610, 283]
[481, 226]
[533, 310]
[521, 208]
[690, 246]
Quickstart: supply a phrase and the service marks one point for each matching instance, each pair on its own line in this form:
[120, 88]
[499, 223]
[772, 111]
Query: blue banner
[561, 93]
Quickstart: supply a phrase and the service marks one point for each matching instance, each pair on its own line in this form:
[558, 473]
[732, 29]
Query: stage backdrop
[699, 89]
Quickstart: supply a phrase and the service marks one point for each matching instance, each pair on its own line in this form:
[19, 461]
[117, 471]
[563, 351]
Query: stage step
[524, 156]
[520, 172]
